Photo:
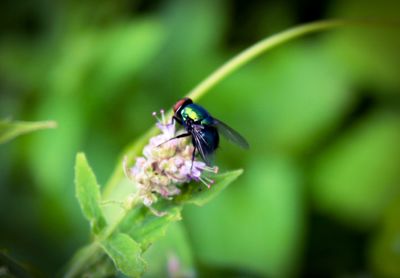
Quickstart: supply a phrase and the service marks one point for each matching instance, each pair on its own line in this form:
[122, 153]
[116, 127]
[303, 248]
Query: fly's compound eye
[181, 103]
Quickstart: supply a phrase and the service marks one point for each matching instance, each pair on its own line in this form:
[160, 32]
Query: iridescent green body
[197, 120]
[197, 114]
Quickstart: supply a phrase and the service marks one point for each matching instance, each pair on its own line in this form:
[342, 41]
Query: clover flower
[166, 164]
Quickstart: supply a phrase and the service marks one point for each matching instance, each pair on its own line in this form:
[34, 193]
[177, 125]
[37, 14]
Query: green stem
[81, 260]
[257, 49]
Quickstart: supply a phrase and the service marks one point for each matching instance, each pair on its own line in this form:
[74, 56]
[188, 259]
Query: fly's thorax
[194, 112]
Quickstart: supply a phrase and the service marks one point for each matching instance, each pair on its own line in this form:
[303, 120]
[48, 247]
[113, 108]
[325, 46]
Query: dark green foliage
[321, 115]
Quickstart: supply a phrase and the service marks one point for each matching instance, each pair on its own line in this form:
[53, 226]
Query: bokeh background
[320, 195]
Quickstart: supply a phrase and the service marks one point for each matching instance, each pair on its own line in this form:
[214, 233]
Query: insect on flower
[204, 129]
[166, 165]
[169, 160]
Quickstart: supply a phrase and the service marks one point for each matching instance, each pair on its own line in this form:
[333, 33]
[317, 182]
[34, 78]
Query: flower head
[166, 164]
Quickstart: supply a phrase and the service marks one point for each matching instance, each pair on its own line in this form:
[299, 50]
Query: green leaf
[88, 193]
[126, 254]
[145, 227]
[195, 193]
[11, 129]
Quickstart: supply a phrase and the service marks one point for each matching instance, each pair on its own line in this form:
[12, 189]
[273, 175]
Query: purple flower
[166, 164]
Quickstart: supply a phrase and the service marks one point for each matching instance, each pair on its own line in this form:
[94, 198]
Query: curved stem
[262, 46]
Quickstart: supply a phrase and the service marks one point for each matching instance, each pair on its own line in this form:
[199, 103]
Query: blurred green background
[320, 196]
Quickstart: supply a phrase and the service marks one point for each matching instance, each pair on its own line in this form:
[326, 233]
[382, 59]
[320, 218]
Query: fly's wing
[230, 134]
[201, 144]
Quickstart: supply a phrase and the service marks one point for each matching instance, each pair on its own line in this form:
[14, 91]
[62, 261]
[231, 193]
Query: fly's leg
[176, 137]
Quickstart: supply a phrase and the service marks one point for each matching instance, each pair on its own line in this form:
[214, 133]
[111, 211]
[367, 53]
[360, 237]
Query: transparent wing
[200, 145]
[231, 134]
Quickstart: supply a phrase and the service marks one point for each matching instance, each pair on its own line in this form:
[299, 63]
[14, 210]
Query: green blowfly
[204, 129]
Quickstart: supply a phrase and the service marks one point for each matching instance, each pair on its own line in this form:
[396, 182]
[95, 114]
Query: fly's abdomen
[209, 139]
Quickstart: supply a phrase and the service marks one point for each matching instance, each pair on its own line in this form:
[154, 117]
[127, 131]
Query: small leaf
[196, 194]
[88, 193]
[145, 227]
[126, 254]
[9, 130]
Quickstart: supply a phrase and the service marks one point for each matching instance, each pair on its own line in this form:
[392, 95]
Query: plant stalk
[257, 49]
